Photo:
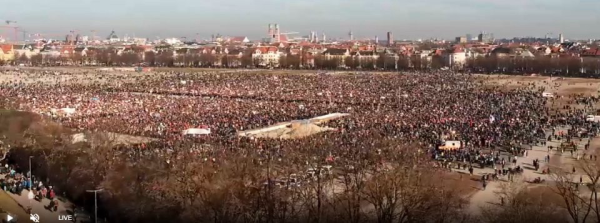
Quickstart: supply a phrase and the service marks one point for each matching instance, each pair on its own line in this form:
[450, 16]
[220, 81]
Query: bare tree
[575, 202]
[517, 204]
[591, 170]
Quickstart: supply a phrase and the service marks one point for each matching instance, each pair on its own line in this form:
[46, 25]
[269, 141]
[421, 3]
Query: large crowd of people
[427, 108]
[424, 109]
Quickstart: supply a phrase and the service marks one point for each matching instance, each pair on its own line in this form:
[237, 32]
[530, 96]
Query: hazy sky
[407, 19]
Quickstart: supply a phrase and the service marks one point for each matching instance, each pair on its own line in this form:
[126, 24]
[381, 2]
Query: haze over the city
[407, 19]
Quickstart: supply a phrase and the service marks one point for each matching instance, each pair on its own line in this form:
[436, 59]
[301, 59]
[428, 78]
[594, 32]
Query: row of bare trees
[381, 62]
[103, 57]
[567, 66]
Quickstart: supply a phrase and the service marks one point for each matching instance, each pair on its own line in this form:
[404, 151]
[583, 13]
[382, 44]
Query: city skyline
[367, 19]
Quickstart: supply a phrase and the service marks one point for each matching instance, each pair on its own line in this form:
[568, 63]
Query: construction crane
[8, 22]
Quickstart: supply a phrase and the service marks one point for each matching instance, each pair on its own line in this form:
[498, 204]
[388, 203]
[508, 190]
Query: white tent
[68, 111]
[79, 137]
[593, 118]
[63, 111]
[547, 95]
[196, 131]
[450, 145]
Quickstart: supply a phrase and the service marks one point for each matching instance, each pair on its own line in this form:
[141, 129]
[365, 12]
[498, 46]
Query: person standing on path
[74, 214]
[483, 181]
[55, 204]
[484, 184]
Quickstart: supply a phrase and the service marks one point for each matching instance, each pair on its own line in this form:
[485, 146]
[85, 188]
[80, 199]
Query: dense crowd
[16, 182]
[425, 108]
[413, 108]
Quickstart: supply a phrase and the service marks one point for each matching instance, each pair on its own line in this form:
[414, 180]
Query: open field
[388, 129]
[564, 89]
[557, 85]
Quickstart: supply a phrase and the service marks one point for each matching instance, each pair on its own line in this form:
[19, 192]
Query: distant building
[81, 51]
[239, 39]
[6, 52]
[266, 56]
[275, 34]
[113, 37]
[365, 57]
[591, 53]
[336, 54]
[173, 41]
[390, 39]
[24, 50]
[485, 37]
[469, 37]
[456, 57]
[503, 52]
[313, 37]
[423, 58]
[561, 38]
[141, 41]
[234, 58]
[461, 39]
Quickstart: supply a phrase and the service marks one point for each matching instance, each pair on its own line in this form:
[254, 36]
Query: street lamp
[30, 174]
[95, 203]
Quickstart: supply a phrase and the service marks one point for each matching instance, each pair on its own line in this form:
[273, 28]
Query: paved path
[39, 207]
[488, 196]
[8, 206]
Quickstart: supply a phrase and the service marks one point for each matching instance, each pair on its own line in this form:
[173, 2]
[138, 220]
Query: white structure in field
[196, 131]
[450, 145]
[547, 95]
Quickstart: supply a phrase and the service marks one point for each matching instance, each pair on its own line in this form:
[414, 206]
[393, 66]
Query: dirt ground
[557, 85]
[465, 184]
[562, 88]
